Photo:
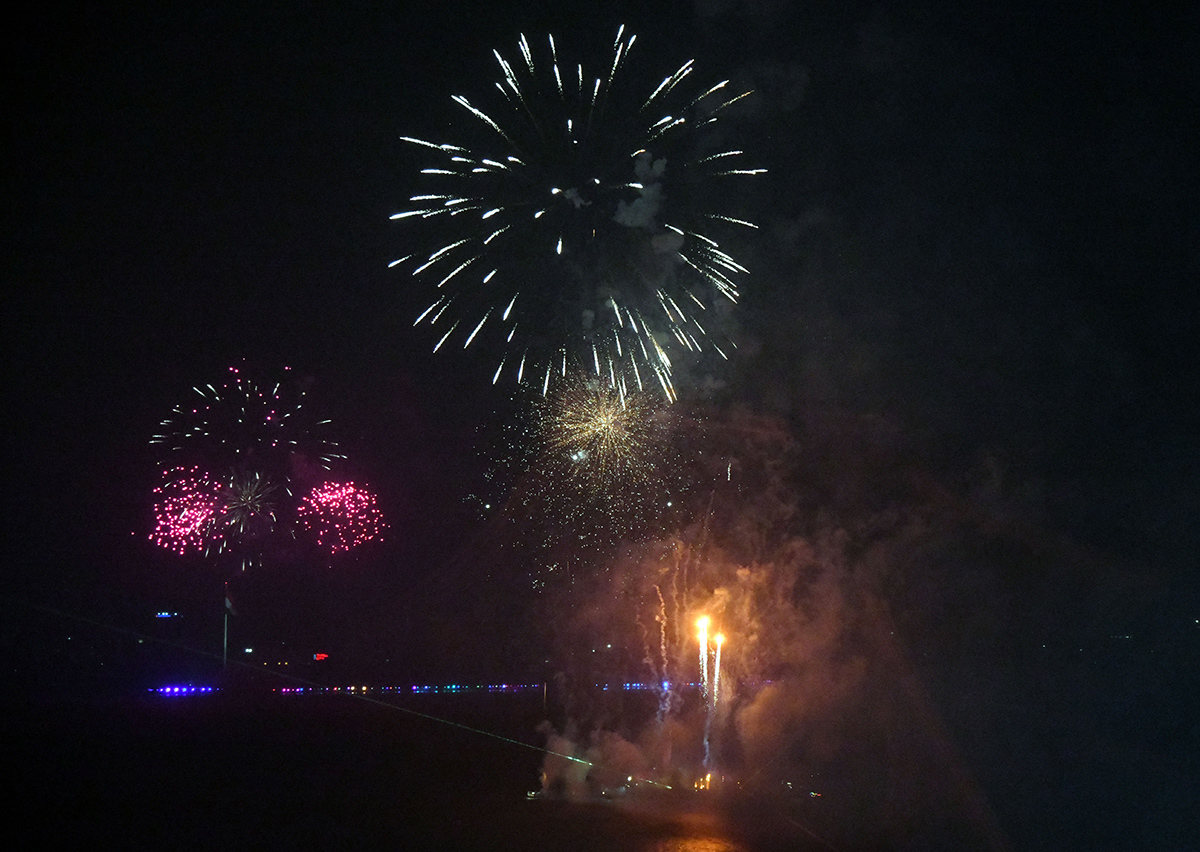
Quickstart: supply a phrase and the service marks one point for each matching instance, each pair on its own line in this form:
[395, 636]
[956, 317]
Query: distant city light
[455, 688]
[181, 690]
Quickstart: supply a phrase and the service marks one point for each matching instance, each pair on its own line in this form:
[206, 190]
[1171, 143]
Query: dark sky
[980, 223]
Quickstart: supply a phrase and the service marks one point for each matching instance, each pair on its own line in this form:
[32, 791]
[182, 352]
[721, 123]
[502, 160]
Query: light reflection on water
[691, 830]
[702, 834]
[698, 844]
[632, 825]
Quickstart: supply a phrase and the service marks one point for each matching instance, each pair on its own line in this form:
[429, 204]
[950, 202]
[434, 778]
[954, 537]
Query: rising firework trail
[718, 640]
[702, 624]
[664, 696]
[575, 223]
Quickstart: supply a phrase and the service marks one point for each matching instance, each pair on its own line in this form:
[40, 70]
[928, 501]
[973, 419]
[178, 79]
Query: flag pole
[225, 637]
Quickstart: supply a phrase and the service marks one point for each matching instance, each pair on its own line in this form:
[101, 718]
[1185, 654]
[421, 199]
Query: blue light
[435, 689]
[173, 691]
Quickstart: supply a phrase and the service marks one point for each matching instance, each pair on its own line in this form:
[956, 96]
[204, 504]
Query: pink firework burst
[186, 506]
[341, 515]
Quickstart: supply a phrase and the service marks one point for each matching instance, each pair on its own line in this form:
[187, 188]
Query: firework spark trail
[708, 706]
[709, 691]
[570, 189]
[718, 640]
[684, 562]
[664, 699]
[680, 605]
[647, 655]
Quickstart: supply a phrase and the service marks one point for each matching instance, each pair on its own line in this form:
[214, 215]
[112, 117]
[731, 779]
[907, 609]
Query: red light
[320, 656]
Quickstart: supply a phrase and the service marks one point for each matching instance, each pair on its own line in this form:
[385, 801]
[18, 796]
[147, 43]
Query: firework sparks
[247, 506]
[604, 441]
[185, 510]
[245, 424]
[341, 515]
[587, 470]
[705, 693]
[664, 699]
[582, 227]
[718, 640]
[264, 434]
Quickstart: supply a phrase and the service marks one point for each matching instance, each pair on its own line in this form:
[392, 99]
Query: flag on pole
[229, 601]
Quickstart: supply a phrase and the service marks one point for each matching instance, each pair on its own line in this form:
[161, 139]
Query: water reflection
[698, 844]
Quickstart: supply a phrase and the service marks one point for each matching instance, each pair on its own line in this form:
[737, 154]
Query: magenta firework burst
[575, 221]
[341, 516]
[186, 507]
[235, 457]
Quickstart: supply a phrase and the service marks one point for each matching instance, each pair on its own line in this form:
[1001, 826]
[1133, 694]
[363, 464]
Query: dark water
[255, 770]
[218, 772]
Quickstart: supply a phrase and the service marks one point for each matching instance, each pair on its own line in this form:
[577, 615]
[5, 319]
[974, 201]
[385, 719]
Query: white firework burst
[578, 228]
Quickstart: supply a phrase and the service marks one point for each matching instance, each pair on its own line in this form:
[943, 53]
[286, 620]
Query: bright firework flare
[702, 634]
[580, 230]
[185, 510]
[341, 515]
[246, 425]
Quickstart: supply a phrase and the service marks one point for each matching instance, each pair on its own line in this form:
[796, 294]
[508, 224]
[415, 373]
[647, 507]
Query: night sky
[979, 228]
[967, 366]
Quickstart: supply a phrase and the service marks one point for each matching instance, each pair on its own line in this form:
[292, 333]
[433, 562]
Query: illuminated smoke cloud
[816, 693]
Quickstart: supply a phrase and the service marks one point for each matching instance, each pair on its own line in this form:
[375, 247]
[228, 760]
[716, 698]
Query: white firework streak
[664, 696]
